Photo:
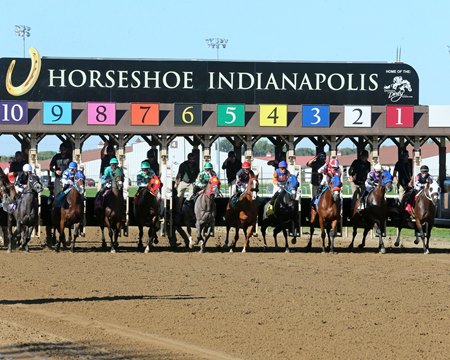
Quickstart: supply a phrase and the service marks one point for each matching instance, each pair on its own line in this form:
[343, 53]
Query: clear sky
[295, 30]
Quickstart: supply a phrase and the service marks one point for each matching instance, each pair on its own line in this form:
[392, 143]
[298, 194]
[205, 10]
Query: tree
[305, 152]
[44, 155]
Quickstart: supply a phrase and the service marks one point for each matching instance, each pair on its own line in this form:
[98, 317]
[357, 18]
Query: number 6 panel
[188, 115]
[358, 116]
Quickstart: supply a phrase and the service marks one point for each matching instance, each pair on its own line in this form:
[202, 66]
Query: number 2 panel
[101, 113]
[358, 116]
[144, 114]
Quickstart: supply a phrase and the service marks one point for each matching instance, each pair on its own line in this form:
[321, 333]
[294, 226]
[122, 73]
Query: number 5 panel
[230, 115]
[57, 113]
[358, 116]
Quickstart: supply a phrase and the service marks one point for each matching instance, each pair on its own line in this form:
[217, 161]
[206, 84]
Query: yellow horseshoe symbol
[31, 78]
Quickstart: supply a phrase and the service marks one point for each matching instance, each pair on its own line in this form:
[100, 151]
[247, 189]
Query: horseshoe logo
[31, 78]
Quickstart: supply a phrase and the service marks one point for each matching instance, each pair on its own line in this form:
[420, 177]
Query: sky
[294, 30]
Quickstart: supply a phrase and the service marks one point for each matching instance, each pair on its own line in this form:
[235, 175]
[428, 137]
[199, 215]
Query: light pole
[217, 43]
[23, 31]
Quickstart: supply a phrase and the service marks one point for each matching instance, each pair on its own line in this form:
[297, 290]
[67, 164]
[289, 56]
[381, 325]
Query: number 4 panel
[273, 115]
[358, 116]
[145, 114]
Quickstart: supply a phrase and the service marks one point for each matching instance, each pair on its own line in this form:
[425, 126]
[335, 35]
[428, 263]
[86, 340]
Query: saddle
[315, 200]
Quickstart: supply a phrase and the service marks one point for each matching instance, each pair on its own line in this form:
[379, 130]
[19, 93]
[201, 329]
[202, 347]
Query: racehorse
[285, 214]
[328, 211]
[375, 212]
[243, 215]
[146, 212]
[205, 212]
[186, 217]
[424, 213]
[27, 213]
[69, 214]
[6, 191]
[112, 213]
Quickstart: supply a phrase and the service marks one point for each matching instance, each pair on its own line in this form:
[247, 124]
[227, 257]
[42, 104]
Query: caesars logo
[31, 79]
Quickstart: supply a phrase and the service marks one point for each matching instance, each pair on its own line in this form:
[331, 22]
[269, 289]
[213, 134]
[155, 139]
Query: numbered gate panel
[439, 116]
[399, 116]
[144, 114]
[14, 112]
[315, 115]
[358, 116]
[188, 115]
[231, 115]
[272, 115]
[101, 113]
[57, 113]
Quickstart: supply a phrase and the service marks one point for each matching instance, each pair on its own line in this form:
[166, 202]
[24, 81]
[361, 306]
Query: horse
[7, 192]
[26, 213]
[375, 213]
[205, 212]
[112, 213]
[186, 217]
[69, 214]
[424, 213]
[328, 211]
[285, 214]
[243, 215]
[146, 212]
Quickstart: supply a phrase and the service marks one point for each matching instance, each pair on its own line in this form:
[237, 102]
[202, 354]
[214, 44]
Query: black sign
[210, 82]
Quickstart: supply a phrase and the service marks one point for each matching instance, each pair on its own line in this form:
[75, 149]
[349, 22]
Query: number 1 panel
[399, 116]
[57, 113]
[358, 116]
[101, 113]
[144, 114]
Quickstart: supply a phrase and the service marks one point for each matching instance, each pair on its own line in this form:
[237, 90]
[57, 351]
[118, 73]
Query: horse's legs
[111, 234]
[379, 232]
[248, 231]
[286, 243]
[141, 235]
[333, 232]
[429, 227]
[397, 240]
[102, 230]
[422, 236]
[275, 233]
[311, 228]
[355, 232]
[150, 239]
[227, 236]
[263, 233]
[419, 232]
[363, 241]
[76, 232]
[322, 235]
[27, 237]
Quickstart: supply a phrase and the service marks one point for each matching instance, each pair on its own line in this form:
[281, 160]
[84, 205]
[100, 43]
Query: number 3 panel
[57, 113]
[316, 116]
[358, 116]
[101, 113]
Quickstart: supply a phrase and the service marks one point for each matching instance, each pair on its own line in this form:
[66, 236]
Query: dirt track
[167, 305]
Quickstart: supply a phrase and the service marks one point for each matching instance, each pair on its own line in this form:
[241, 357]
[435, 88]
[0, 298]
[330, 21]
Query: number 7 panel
[145, 114]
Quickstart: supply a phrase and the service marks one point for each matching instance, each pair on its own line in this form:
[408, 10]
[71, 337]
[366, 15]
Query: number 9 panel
[57, 113]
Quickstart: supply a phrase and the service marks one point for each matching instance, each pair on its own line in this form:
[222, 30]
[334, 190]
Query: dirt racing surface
[258, 305]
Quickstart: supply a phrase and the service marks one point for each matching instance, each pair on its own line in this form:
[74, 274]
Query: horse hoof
[382, 251]
[231, 251]
[147, 250]
[294, 241]
[113, 251]
[103, 245]
[156, 241]
[426, 252]
[202, 250]
[244, 250]
[191, 244]
[397, 243]
[360, 246]
[72, 249]
[287, 251]
[416, 241]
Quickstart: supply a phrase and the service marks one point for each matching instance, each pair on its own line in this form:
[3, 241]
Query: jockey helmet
[424, 169]
[364, 153]
[377, 167]
[113, 161]
[246, 165]
[27, 167]
[282, 164]
[231, 154]
[145, 165]
[334, 163]
[73, 165]
[207, 166]
[404, 153]
[321, 155]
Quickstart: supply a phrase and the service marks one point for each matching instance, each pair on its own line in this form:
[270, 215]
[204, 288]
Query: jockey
[203, 178]
[111, 172]
[243, 177]
[329, 170]
[21, 182]
[419, 183]
[144, 176]
[69, 177]
[372, 181]
[279, 179]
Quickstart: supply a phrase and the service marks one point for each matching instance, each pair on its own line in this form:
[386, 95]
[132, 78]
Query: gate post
[417, 156]
[122, 157]
[375, 153]
[33, 160]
